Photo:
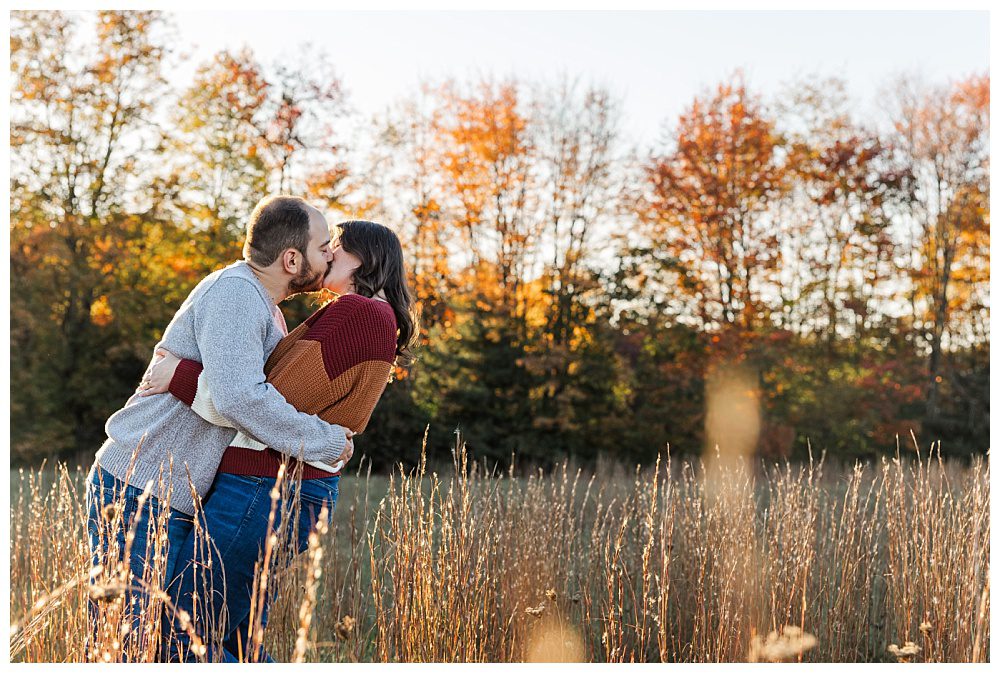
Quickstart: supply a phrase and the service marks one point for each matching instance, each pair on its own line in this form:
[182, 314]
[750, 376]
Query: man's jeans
[236, 512]
[107, 529]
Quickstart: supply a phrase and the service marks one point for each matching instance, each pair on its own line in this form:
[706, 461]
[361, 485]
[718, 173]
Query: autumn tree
[82, 139]
[401, 184]
[304, 133]
[246, 130]
[219, 169]
[942, 136]
[844, 198]
[706, 202]
[485, 158]
[577, 151]
[577, 148]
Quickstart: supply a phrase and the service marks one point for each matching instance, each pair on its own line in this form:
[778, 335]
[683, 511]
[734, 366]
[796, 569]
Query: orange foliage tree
[705, 209]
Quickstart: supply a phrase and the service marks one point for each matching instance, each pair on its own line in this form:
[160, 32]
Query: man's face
[316, 262]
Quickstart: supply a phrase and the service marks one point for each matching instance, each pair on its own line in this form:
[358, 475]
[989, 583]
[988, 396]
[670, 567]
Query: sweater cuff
[184, 384]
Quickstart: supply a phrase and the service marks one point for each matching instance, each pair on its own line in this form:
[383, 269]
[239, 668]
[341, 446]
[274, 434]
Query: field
[681, 561]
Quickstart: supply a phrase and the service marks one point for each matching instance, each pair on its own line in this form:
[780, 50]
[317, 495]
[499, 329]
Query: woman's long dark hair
[381, 255]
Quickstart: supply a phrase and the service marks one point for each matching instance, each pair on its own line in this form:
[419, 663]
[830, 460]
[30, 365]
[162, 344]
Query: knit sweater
[336, 365]
[227, 324]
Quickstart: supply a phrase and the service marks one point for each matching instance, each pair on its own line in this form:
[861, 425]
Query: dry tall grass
[733, 561]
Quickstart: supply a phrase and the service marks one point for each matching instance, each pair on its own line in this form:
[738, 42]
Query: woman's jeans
[236, 512]
[112, 512]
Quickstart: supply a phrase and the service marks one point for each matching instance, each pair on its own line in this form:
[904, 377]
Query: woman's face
[339, 277]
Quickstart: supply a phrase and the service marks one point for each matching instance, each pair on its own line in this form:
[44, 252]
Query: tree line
[575, 290]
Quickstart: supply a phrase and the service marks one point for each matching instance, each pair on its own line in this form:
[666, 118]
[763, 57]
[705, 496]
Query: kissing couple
[229, 397]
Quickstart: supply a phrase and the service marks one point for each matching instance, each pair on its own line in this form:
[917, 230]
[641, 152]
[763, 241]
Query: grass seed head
[108, 591]
[536, 611]
[785, 644]
[344, 627]
[905, 653]
[110, 512]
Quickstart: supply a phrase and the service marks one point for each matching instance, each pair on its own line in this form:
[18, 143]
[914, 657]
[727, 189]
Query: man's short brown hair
[276, 224]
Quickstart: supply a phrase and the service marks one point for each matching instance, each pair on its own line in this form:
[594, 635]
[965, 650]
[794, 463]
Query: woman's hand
[347, 452]
[156, 380]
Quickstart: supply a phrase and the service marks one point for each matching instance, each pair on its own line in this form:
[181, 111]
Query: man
[230, 323]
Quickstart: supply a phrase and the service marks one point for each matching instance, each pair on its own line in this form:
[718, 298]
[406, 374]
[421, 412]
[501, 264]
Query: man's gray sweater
[227, 324]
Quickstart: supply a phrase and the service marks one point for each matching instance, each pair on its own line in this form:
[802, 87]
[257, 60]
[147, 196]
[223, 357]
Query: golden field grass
[679, 561]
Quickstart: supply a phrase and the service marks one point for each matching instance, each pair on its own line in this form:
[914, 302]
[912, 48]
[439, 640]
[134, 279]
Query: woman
[335, 365]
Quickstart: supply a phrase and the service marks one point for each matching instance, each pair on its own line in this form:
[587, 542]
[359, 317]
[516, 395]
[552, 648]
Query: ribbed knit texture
[336, 365]
[254, 463]
[181, 387]
[226, 323]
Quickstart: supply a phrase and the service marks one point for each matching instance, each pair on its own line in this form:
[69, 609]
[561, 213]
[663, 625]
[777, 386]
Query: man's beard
[306, 280]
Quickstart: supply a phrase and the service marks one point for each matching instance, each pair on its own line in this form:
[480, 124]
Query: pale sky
[656, 62]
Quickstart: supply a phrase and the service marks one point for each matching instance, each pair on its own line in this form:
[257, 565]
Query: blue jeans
[106, 536]
[236, 512]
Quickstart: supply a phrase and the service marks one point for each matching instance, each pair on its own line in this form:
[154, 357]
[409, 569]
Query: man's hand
[156, 380]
